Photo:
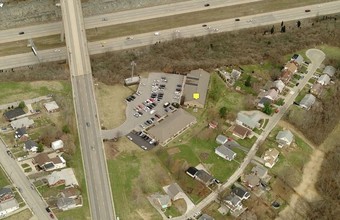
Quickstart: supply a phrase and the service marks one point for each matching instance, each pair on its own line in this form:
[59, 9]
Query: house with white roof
[51, 106]
[324, 79]
[270, 157]
[225, 153]
[58, 144]
[329, 70]
[284, 138]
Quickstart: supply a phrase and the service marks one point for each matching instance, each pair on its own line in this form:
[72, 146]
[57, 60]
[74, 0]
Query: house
[14, 114]
[213, 124]
[291, 67]
[279, 85]
[204, 177]
[31, 146]
[235, 74]
[51, 106]
[324, 79]
[8, 206]
[205, 217]
[249, 121]
[233, 202]
[272, 94]
[316, 89]
[21, 134]
[329, 70]
[307, 101]
[22, 123]
[70, 192]
[260, 171]
[63, 177]
[48, 164]
[196, 82]
[174, 191]
[163, 200]
[285, 76]
[270, 157]
[240, 192]
[297, 59]
[225, 153]
[191, 171]
[221, 139]
[66, 203]
[241, 131]
[251, 180]
[56, 145]
[5, 194]
[284, 138]
[263, 101]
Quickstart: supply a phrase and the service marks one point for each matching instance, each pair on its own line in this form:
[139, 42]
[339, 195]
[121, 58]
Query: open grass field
[3, 178]
[160, 23]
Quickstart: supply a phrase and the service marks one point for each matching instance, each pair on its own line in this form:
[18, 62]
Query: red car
[51, 215]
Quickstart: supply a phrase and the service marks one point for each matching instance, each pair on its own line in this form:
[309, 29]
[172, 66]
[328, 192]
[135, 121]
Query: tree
[66, 129]
[298, 23]
[281, 23]
[223, 112]
[283, 29]
[40, 148]
[267, 108]
[22, 105]
[272, 30]
[248, 81]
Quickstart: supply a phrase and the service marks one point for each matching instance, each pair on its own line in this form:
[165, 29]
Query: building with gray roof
[221, 139]
[249, 121]
[284, 138]
[329, 70]
[225, 153]
[307, 101]
[197, 81]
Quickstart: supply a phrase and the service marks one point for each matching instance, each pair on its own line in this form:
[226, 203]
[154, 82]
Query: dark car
[307, 10]
[237, 19]
[51, 215]
[297, 84]
[206, 5]
[204, 25]
[21, 33]
[48, 209]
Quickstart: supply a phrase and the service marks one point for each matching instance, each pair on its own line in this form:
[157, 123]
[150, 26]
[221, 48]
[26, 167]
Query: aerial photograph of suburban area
[170, 109]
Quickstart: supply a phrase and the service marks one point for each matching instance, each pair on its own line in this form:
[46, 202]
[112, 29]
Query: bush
[22, 105]
[66, 129]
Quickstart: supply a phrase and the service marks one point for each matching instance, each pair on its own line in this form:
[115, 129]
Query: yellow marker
[196, 95]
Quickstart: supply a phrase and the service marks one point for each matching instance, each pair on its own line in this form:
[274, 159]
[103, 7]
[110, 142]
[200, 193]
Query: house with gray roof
[204, 177]
[329, 70]
[31, 146]
[263, 101]
[279, 85]
[272, 94]
[221, 139]
[5, 193]
[233, 202]
[298, 59]
[197, 81]
[174, 191]
[316, 89]
[22, 123]
[205, 217]
[14, 114]
[164, 201]
[324, 79]
[307, 101]
[251, 180]
[65, 203]
[225, 153]
[260, 171]
[284, 138]
[240, 192]
[250, 121]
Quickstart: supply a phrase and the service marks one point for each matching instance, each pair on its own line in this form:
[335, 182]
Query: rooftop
[197, 81]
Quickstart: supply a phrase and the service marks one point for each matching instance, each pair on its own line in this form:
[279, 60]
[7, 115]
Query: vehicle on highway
[156, 33]
[204, 25]
[51, 215]
[307, 10]
[48, 209]
[129, 38]
[87, 124]
[237, 19]
[206, 5]
[21, 33]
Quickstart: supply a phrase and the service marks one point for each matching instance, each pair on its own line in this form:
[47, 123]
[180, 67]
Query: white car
[156, 33]
[129, 38]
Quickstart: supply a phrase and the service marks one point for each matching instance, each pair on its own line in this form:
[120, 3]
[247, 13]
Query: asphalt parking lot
[141, 140]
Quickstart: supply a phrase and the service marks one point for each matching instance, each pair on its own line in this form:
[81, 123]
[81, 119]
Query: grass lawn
[23, 215]
[172, 211]
[47, 191]
[3, 178]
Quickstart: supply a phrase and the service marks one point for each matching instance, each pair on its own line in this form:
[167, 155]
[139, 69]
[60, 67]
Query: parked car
[307, 10]
[237, 19]
[21, 33]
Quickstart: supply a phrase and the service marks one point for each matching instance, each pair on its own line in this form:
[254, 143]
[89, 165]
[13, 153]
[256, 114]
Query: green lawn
[172, 211]
[3, 178]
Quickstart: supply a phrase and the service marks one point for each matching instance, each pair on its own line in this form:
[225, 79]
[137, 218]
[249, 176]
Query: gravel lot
[17, 13]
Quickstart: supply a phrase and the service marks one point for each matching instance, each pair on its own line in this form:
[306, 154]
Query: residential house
[291, 67]
[316, 89]
[263, 101]
[66, 203]
[191, 171]
[63, 177]
[285, 76]
[21, 134]
[241, 193]
[70, 192]
[51, 106]
[270, 157]
[213, 124]
[22, 123]
[297, 59]
[279, 85]
[205, 217]
[204, 177]
[272, 94]
[235, 74]
[196, 82]
[5, 194]
[57, 145]
[307, 101]
[31, 146]
[284, 138]
[163, 200]
[233, 202]
[14, 114]
[174, 191]
[260, 171]
[329, 70]
[249, 121]
[251, 180]
[221, 139]
[241, 131]
[225, 153]
[48, 164]
[8, 206]
[324, 79]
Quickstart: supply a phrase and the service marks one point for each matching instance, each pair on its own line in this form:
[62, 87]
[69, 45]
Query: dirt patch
[111, 104]
[111, 149]
[204, 156]
[181, 205]
[173, 151]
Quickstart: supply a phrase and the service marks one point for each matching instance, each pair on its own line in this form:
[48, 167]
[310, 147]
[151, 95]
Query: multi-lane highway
[118, 18]
[31, 197]
[98, 184]
[139, 40]
[316, 57]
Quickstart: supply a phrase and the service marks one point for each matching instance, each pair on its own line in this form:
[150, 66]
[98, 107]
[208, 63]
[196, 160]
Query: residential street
[316, 57]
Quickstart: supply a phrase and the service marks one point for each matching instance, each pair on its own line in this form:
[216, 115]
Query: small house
[22, 123]
[191, 171]
[63, 177]
[260, 171]
[204, 177]
[66, 203]
[251, 180]
[250, 121]
[205, 217]
[279, 85]
[324, 80]
[225, 153]
[164, 201]
[14, 114]
[284, 138]
[270, 157]
[241, 193]
[6, 193]
[233, 202]
[307, 101]
[57, 145]
[221, 139]
[329, 70]
[51, 106]
[241, 131]
[21, 134]
[31, 146]
[316, 89]
[174, 191]
[48, 164]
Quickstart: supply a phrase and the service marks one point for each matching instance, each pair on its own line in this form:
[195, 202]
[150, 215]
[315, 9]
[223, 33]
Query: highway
[118, 18]
[31, 197]
[316, 57]
[91, 144]
[26, 59]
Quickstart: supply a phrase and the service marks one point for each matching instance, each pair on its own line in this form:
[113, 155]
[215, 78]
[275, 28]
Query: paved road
[316, 57]
[98, 184]
[42, 30]
[31, 197]
[145, 39]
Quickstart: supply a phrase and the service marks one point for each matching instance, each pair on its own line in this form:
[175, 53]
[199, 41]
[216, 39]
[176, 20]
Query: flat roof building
[196, 88]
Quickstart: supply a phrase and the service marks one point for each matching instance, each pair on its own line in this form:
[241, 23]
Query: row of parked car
[147, 138]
